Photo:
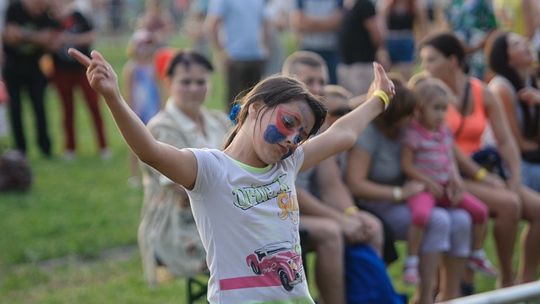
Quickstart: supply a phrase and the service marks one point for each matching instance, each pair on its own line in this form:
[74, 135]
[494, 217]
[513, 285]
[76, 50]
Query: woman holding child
[376, 180]
[443, 57]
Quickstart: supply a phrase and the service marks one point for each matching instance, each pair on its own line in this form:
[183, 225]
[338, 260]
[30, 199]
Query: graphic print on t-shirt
[277, 263]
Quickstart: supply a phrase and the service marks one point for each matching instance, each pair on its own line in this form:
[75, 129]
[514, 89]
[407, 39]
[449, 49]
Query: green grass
[83, 207]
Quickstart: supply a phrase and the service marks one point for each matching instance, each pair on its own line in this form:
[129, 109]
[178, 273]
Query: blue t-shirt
[319, 8]
[243, 23]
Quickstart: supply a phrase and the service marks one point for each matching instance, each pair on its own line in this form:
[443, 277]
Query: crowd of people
[322, 150]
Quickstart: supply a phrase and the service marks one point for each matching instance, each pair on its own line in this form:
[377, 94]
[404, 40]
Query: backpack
[366, 278]
[15, 172]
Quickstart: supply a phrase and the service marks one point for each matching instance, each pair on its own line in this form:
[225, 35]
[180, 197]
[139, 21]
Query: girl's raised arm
[342, 135]
[178, 165]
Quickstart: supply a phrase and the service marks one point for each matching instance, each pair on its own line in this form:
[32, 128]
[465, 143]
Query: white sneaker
[69, 155]
[105, 154]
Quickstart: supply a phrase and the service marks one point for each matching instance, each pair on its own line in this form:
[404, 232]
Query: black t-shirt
[354, 41]
[75, 23]
[25, 54]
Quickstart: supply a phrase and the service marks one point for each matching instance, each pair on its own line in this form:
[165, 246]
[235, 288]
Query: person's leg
[36, 89]
[64, 85]
[326, 238]
[92, 101]
[455, 261]
[233, 76]
[436, 240]
[530, 174]
[376, 239]
[504, 206]
[530, 246]
[421, 206]
[452, 270]
[479, 215]
[252, 72]
[14, 87]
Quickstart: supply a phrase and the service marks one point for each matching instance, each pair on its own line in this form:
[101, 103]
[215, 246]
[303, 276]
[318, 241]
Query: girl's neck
[241, 149]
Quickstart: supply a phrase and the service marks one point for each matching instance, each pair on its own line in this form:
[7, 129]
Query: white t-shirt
[248, 221]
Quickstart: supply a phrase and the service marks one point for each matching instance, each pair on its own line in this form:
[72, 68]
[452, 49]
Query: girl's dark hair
[187, 58]
[402, 105]
[499, 62]
[276, 90]
[449, 45]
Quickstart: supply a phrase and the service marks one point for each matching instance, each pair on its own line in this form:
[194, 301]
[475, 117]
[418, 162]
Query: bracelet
[397, 194]
[382, 96]
[480, 174]
[351, 210]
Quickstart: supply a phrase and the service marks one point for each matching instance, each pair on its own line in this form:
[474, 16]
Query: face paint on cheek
[298, 138]
[272, 135]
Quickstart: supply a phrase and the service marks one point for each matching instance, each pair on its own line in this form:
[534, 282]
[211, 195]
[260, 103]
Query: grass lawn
[82, 208]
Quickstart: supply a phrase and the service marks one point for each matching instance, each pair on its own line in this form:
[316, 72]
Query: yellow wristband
[351, 210]
[383, 96]
[480, 174]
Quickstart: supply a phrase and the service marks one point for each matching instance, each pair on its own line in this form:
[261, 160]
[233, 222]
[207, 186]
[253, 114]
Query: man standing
[244, 44]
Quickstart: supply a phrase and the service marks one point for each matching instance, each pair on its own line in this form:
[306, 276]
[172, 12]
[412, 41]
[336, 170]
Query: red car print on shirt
[279, 261]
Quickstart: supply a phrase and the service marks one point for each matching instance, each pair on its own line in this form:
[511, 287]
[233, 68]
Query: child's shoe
[410, 271]
[479, 262]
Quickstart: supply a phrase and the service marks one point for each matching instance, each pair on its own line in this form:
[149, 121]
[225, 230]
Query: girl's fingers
[80, 57]
[377, 71]
[98, 57]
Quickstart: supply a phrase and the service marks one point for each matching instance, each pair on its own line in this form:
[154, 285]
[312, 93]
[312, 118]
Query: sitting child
[427, 157]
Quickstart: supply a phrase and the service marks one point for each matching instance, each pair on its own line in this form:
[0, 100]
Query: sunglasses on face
[339, 111]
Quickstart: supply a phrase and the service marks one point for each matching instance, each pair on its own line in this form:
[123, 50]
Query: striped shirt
[432, 150]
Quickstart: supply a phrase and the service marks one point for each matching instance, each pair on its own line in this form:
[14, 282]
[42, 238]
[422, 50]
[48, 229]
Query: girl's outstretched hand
[99, 72]
[381, 81]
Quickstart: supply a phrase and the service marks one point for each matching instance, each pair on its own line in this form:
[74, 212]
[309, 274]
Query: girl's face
[189, 85]
[519, 51]
[280, 130]
[435, 63]
[433, 113]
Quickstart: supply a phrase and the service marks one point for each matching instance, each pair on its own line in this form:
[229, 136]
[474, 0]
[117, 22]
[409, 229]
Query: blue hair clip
[233, 115]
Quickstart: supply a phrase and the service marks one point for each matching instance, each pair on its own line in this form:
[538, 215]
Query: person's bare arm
[15, 35]
[178, 165]
[79, 39]
[507, 97]
[333, 190]
[375, 31]
[307, 24]
[127, 77]
[361, 187]
[212, 25]
[409, 168]
[529, 15]
[506, 144]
